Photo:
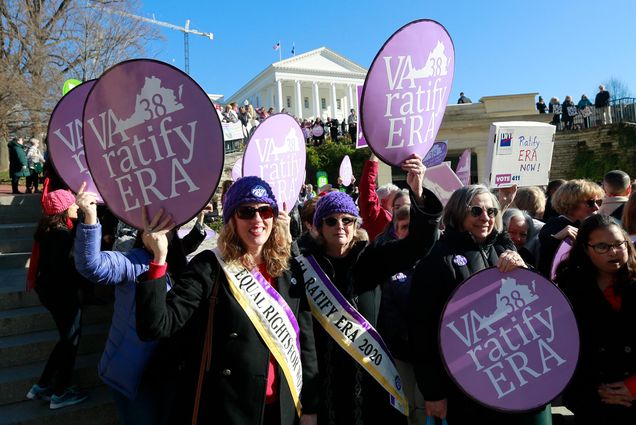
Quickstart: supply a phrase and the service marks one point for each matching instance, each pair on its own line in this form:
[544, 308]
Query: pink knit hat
[57, 201]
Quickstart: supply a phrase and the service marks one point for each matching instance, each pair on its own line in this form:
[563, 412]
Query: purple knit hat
[332, 203]
[246, 190]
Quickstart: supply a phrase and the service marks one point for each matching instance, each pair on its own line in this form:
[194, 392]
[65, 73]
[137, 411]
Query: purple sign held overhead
[65, 140]
[436, 155]
[509, 340]
[442, 181]
[406, 91]
[276, 153]
[237, 169]
[562, 252]
[346, 171]
[152, 138]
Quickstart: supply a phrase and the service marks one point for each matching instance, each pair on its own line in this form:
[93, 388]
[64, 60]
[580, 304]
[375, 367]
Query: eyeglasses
[591, 202]
[333, 221]
[602, 248]
[476, 211]
[247, 212]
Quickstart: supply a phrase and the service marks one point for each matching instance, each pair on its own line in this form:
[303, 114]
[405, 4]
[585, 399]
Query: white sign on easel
[519, 152]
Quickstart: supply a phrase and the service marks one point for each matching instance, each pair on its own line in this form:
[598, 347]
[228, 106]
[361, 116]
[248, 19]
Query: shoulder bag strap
[206, 355]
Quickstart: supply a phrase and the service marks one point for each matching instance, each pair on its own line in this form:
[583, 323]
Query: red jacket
[374, 216]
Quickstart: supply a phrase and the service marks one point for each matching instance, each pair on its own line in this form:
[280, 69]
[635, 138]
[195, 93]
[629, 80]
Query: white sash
[272, 318]
[351, 331]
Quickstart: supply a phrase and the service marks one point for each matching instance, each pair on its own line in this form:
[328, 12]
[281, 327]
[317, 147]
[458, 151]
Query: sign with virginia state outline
[509, 340]
[152, 139]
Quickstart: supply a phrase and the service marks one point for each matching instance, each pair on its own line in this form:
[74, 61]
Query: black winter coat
[608, 346]
[433, 281]
[57, 276]
[17, 160]
[349, 393]
[234, 388]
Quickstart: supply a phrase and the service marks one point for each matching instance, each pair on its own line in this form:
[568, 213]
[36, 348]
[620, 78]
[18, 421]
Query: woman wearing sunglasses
[599, 278]
[574, 201]
[472, 241]
[246, 299]
[356, 269]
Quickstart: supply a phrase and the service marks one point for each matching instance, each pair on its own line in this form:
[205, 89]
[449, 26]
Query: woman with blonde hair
[532, 200]
[574, 201]
[246, 303]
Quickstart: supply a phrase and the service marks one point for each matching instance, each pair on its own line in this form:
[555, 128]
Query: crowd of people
[568, 115]
[183, 347]
[315, 130]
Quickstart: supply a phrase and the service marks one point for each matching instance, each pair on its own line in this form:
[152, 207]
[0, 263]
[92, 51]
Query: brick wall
[601, 142]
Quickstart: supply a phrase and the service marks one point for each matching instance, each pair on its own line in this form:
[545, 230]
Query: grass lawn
[4, 177]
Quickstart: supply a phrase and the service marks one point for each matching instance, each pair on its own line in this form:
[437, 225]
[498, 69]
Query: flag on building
[276, 46]
[293, 51]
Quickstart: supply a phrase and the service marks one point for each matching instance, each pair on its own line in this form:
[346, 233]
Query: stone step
[16, 237]
[37, 318]
[33, 347]
[17, 230]
[12, 289]
[13, 260]
[20, 208]
[99, 409]
[15, 381]
[11, 245]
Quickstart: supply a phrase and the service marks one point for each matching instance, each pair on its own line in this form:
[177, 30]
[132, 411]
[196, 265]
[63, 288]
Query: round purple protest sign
[276, 153]
[562, 252]
[65, 144]
[237, 169]
[436, 155]
[317, 130]
[346, 171]
[152, 138]
[406, 91]
[509, 340]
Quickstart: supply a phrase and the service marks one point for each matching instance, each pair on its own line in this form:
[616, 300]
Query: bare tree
[618, 89]
[45, 42]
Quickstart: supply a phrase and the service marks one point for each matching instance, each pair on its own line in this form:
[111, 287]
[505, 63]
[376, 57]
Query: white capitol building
[323, 83]
[317, 83]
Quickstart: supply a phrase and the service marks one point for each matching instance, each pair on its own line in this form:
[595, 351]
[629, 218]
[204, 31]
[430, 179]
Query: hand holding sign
[509, 260]
[406, 91]
[415, 170]
[87, 202]
[155, 233]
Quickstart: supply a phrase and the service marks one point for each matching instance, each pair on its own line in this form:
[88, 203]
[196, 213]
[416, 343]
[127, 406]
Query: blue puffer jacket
[125, 357]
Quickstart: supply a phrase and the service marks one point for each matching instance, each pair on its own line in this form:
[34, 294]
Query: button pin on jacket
[460, 260]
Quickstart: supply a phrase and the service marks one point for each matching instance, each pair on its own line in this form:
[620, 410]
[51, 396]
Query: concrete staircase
[28, 333]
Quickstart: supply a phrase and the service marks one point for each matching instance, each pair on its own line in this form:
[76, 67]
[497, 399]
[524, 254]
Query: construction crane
[186, 30]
